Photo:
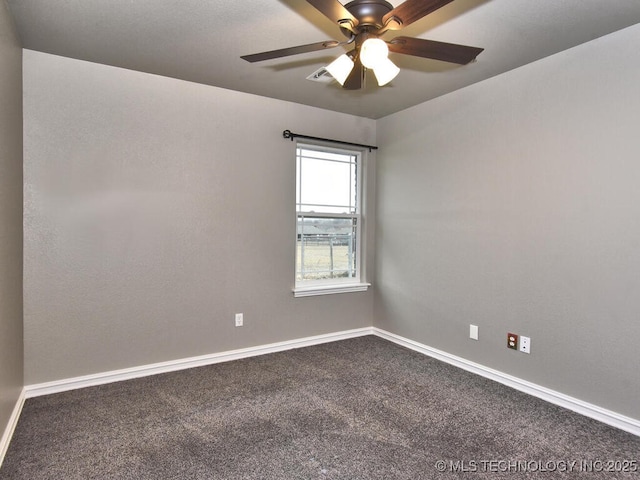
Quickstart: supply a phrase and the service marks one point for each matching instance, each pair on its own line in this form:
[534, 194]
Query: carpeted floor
[356, 409]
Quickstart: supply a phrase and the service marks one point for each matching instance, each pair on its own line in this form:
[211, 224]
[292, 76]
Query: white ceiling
[202, 41]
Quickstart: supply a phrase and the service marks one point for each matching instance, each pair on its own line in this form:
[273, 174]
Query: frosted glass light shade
[385, 72]
[340, 68]
[373, 52]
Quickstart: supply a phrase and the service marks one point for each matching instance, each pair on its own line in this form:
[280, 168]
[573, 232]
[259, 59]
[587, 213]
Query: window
[329, 222]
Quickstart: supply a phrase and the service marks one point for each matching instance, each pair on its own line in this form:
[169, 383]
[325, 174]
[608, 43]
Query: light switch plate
[473, 332]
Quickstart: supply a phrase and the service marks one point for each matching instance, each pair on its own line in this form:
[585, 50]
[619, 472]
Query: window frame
[356, 283]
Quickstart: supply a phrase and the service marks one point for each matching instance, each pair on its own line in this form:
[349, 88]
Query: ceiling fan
[363, 22]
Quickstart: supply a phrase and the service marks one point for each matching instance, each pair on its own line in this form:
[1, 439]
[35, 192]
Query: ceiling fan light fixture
[385, 71]
[340, 68]
[374, 51]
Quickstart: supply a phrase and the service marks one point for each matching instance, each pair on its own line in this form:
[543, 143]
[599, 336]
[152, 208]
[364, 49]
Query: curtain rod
[291, 135]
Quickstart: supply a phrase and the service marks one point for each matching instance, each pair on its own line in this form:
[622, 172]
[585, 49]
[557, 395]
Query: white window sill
[309, 291]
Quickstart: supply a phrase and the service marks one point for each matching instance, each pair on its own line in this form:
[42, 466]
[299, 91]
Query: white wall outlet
[473, 332]
[239, 319]
[525, 344]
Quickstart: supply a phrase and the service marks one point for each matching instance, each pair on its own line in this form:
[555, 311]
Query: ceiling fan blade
[356, 77]
[285, 52]
[335, 11]
[410, 11]
[447, 52]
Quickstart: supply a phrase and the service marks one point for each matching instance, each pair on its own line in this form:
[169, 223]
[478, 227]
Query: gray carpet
[356, 409]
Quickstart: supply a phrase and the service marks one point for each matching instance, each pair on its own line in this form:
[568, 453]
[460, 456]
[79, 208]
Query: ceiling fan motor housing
[369, 14]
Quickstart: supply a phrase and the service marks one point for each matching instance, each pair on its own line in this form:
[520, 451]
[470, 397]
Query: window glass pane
[326, 182]
[323, 155]
[326, 248]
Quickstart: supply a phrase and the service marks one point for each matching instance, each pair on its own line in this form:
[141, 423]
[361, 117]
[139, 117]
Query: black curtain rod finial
[291, 135]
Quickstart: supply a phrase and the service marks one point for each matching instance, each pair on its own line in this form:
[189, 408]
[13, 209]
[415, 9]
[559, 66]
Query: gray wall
[10, 218]
[154, 210]
[514, 204]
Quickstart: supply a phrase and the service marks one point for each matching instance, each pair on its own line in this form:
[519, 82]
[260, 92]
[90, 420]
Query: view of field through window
[325, 248]
[327, 206]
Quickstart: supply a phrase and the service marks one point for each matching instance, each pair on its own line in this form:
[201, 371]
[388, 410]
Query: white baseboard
[64, 385]
[608, 417]
[603, 415]
[11, 426]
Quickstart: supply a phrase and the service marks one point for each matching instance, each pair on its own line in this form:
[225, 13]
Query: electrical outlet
[512, 341]
[239, 320]
[473, 332]
[525, 344]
